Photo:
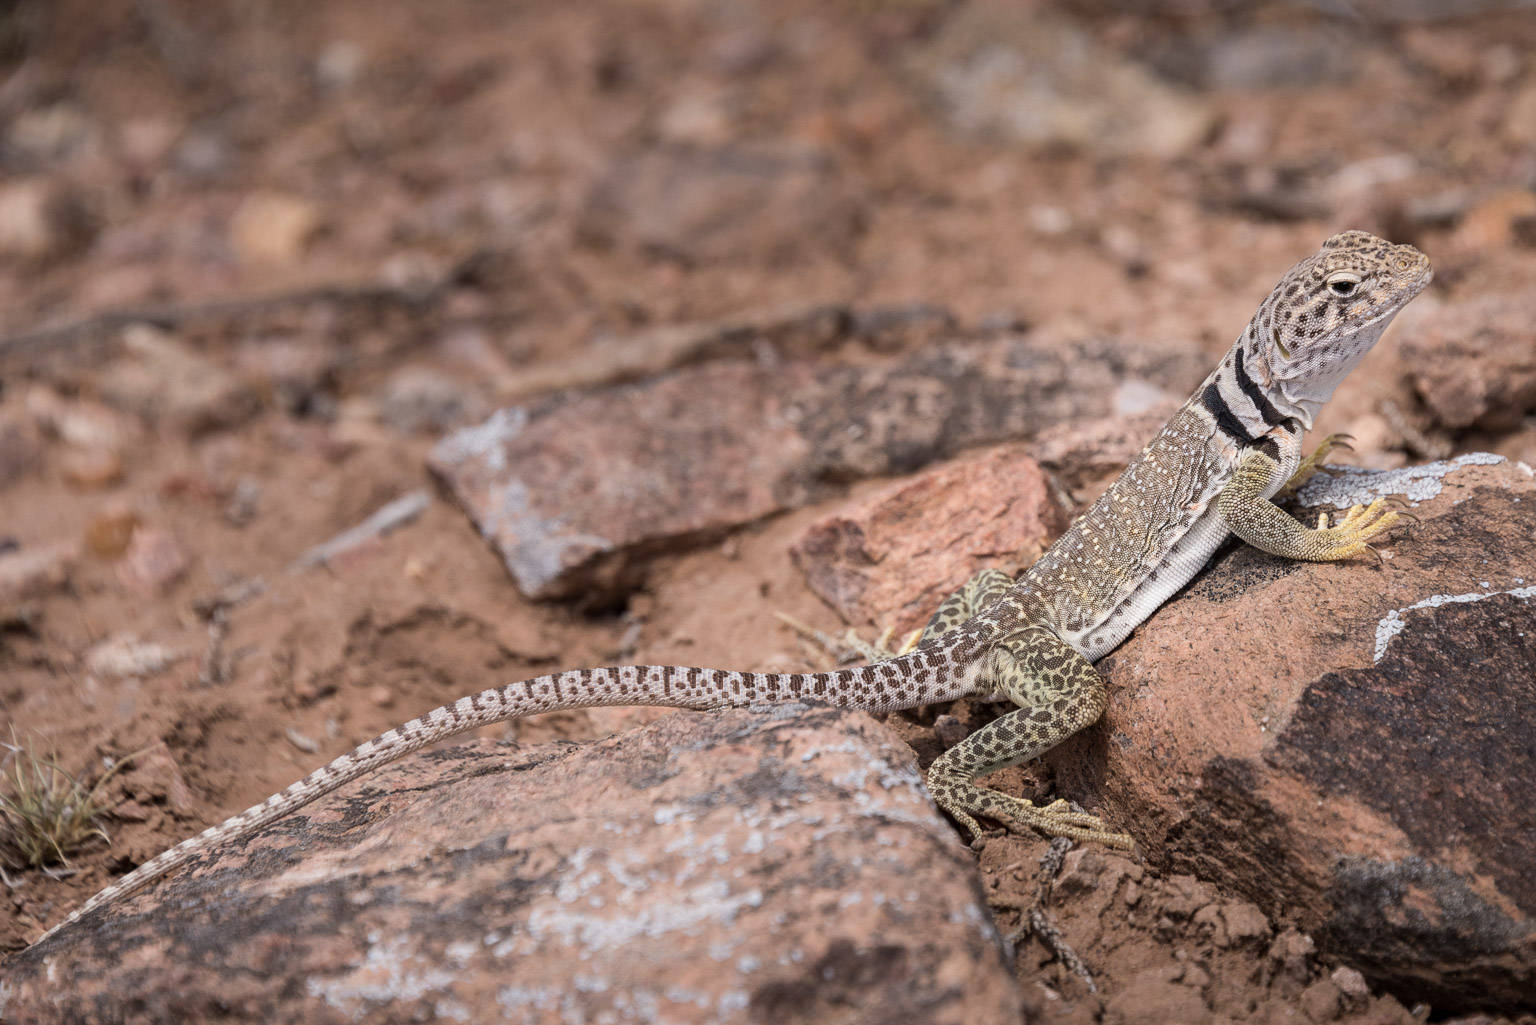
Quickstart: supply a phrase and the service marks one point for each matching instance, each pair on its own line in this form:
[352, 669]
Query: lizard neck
[1244, 396]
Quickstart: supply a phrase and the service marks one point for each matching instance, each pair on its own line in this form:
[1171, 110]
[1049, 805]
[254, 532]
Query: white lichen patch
[485, 443]
[392, 971]
[1346, 486]
[1393, 622]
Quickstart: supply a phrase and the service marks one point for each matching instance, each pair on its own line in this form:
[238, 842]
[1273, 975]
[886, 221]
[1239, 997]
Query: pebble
[273, 228]
[153, 562]
[109, 533]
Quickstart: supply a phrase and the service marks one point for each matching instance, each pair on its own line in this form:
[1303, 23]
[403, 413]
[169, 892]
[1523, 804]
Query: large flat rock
[1351, 746]
[576, 490]
[746, 866]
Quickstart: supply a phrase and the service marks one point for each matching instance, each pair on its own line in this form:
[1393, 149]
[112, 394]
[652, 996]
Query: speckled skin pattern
[1213, 469]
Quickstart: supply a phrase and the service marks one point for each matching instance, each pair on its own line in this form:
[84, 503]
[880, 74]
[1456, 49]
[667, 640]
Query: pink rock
[889, 559]
[782, 866]
[1473, 362]
[1338, 742]
[153, 563]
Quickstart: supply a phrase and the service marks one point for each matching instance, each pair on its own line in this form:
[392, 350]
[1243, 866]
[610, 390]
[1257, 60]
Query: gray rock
[746, 866]
[577, 490]
[772, 204]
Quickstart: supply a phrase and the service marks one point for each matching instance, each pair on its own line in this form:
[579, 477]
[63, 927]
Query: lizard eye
[1343, 284]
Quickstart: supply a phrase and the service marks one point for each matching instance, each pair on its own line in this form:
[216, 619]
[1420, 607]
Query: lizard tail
[906, 681]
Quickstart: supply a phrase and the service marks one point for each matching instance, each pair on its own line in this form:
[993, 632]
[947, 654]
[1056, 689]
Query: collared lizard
[1211, 471]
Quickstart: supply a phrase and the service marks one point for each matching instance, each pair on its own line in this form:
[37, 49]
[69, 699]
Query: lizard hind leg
[981, 590]
[1060, 693]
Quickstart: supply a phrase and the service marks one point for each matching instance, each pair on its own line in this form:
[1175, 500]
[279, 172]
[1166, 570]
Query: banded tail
[927, 674]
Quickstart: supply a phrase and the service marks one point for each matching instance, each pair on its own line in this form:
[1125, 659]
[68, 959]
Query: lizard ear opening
[1274, 336]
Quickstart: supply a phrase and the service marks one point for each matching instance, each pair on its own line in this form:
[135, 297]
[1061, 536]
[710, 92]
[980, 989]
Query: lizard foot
[850, 647]
[1359, 525]
[1059, 818]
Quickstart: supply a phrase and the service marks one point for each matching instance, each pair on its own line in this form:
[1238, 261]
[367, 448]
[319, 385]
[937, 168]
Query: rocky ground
[359, 356]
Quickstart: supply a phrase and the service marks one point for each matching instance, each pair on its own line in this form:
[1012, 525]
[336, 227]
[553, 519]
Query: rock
[1494, 222]
[124, 656]
[1335, 743]
[298, 374]
[92, 468]
[771, 204]
[576, 490]
[153, 563]
[1320, 1001]
[421, 400]
[1033, 78]
[1351, 984]
[891, 558]
[746, 866]
[43, 218]
[32, 572]
[273, 228]
[612, 358]
[1262, 56]
[162, 379]
[1473, 361]
[110, 531]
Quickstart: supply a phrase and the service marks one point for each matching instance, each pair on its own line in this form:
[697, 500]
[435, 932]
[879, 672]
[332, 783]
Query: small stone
[1292, 952]
[420, 400]
[1196, 976]
[381, 695]
[297, 374]
[162, 378]
[1320, 1001]
[1042, 81]
[1351, 983]
[949, 730]
[339, 64]
[109, 532]
[301, 741]
[32, 572]
[153, 562]
[273, 228]
[1183, 895]
[91, 467]
[1244, 922]
[126, 657]
[42, 219]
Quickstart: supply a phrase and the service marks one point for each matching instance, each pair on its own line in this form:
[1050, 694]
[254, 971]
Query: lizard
[1213, 471]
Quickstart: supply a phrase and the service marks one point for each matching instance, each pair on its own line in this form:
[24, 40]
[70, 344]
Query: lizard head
[1328, 311]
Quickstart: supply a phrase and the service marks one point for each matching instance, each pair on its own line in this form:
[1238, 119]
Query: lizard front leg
[1259, 521]
[1314, 462]
[1059, 692]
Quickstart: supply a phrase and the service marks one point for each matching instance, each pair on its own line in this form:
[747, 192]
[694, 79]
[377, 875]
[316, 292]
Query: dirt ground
[344, 228]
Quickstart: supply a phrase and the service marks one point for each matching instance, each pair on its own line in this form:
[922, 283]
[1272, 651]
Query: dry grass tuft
[46, 813]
